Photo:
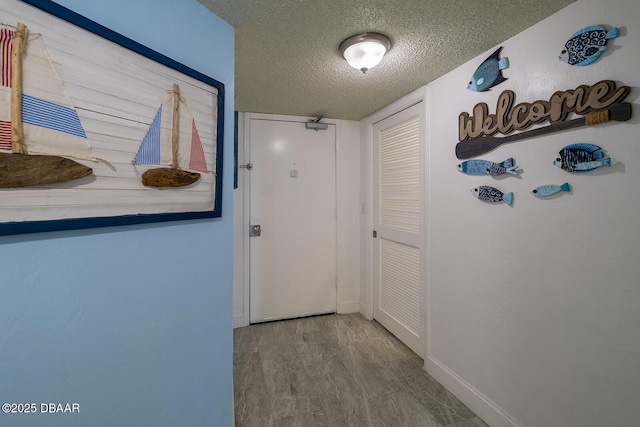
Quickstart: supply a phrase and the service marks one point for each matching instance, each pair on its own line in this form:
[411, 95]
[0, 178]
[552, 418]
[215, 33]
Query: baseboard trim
[490, 413]
[349, 307]
[238, 321]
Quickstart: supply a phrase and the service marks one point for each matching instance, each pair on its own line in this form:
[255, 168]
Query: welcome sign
[599, 103]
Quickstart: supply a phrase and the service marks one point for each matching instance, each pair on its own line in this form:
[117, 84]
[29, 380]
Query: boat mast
[175, 126]
[172, 176]
[17, 134]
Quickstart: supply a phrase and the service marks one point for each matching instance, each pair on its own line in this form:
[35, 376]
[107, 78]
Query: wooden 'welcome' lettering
[475, 131]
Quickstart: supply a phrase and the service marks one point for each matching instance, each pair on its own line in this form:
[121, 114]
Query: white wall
[348, 222]
[348, 195]
[535, 309]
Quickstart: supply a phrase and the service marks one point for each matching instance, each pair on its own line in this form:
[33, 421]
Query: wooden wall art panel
[99, 130]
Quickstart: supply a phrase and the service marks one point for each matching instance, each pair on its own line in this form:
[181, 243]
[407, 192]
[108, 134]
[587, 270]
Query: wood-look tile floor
[338, 371]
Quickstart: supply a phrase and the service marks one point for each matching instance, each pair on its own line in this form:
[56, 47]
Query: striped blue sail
[46, 114]
[149, 151]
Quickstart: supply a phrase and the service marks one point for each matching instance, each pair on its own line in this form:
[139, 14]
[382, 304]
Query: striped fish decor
[492, 195]
[41, 136]
[161, 145]
[486, 167]
[581, 157]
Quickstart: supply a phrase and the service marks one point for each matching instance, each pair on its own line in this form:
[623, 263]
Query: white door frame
[367, 243]
[245, 138]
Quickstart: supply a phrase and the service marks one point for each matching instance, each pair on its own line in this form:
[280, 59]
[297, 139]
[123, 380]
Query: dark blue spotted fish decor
[489, 73]
[550, 189]
[586, 46]
[492, 195]
[581, 157]
[486, 167]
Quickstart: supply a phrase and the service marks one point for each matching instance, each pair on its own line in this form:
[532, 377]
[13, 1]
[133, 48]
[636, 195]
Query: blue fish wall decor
[486, 167]
[492, 195]
[550, 189]
[581, 157]
[586, 46]
[489, 73]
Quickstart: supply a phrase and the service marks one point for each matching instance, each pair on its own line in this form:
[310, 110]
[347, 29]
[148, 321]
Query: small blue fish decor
[586, 46]
[485, 167]
[550, 189]
[581, 157]
[489, 73]
[492, 195]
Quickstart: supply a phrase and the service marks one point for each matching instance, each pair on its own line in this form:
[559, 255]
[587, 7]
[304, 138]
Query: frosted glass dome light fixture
[365, 51]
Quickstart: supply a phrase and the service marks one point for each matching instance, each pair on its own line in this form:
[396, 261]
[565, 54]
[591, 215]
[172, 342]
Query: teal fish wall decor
[486, 167]
[581, 157]
[489, 73]
[550, 189]
[586, 46]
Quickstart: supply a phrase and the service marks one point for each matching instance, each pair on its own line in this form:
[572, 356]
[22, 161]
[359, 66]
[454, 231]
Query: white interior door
[293, 199]
[398, 223]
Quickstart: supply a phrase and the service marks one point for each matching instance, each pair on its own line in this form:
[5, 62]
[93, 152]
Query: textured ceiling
[287, 58]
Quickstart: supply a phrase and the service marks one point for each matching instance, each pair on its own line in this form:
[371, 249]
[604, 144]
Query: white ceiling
[287, 58]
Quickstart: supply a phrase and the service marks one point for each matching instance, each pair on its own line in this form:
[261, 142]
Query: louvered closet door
[398, 222]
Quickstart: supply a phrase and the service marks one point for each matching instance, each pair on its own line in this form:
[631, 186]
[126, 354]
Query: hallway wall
[102, 317]
[533, 309]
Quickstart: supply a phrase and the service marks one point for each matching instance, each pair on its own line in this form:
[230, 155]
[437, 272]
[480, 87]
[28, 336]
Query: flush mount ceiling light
[365, 51]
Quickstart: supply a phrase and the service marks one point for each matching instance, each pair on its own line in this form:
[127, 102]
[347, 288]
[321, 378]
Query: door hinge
[375, 234]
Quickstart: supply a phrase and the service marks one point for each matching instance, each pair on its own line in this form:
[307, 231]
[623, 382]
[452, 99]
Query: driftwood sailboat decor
[38, 124]
[162, 140]
[86, 93]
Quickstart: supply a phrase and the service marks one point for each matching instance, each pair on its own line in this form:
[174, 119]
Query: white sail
[51, 124]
